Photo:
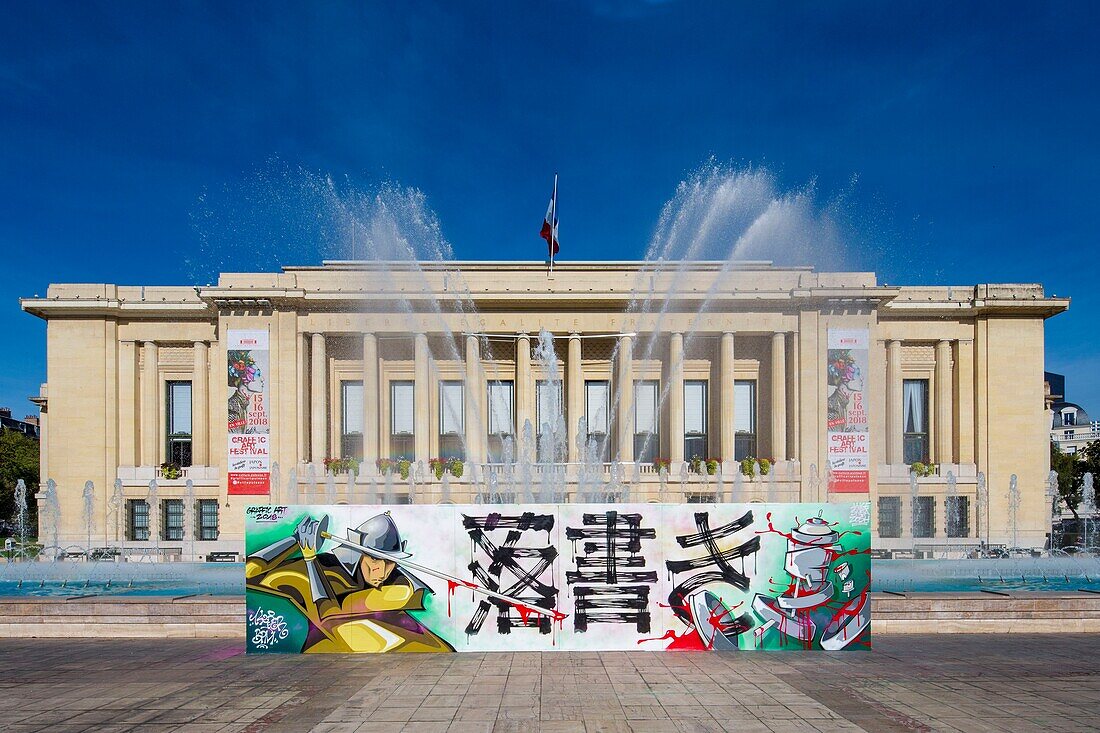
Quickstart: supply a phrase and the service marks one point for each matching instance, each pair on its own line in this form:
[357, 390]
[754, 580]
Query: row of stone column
[318, 432]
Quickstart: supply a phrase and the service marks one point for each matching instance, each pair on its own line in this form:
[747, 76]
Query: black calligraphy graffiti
[514, 570]
[721, 569]
[608, 586]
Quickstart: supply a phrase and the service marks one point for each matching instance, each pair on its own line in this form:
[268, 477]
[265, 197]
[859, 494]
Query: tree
[18, 460]
[1088, 460]
[1070, 477]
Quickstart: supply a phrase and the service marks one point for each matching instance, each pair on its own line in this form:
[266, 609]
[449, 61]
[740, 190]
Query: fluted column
[522, 384]
[625, 419]
[726, 400]
[895, 453]
[318, 399]
[676, 397]
[574, 396]
[944, 411]
[779, 396]
[475, 387]
[200, 393]
[371, 392]
[303, 419]
[792, 400]
[150, 405]
[421, 399]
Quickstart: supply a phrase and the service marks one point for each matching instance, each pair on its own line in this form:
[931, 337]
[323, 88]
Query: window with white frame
[351, 420]
[550, 422]
[695, 419]
[402, 420]
[597, 405]
[178, 422]
[744, 419]
[502, 410]
[647, 439]
[915, 417]
[452, 420]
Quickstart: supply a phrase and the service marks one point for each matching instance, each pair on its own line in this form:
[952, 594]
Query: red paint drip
[453, 585]
[687, 641]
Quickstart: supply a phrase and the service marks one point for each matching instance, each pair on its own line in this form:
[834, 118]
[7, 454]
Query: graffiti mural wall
[445, 578]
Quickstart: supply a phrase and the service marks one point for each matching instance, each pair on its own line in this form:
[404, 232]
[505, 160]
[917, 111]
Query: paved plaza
[908, 683]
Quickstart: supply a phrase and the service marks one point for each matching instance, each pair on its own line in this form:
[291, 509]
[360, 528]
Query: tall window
[171, 520]
[889, 516]
[597, 405]
[208, 519]
[915, 419]
[401, 420]
[695, 418]
[351, 421]
[924, 516]
[958, 516]
[647, 439]
[137, 520]
[549, 408]
[451, 420]
[501, 420]
[178, 423]
[744, 419]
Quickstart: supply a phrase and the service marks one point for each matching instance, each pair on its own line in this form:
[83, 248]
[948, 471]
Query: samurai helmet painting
[377, 533]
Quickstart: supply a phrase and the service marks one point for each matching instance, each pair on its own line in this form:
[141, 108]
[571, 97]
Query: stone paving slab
[1017, 682]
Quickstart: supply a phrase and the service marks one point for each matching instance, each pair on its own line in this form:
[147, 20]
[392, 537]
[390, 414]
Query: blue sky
[959, 144]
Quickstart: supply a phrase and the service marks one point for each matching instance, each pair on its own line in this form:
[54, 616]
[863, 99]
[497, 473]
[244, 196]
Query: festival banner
[557, 577]
[848, 433]
[248, 456]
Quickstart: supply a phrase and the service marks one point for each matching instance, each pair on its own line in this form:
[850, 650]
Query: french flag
[550, 224]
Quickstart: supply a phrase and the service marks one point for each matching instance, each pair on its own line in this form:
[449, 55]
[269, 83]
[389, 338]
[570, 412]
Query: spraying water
[87, 497]
[954, 525]
[52, 521]
[983, 506]
[154, 516]
[21, 514]
[189, 516]
[1088, 505]
[1013, 507]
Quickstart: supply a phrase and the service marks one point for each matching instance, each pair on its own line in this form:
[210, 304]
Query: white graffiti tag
[267, 628]
[859, 514]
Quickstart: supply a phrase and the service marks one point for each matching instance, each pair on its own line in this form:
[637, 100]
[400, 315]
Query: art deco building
[444, 360]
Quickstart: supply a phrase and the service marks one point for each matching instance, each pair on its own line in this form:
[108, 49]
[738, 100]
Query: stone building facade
[429, 360]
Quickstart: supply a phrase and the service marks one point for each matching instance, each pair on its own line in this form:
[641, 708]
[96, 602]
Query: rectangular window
[695, 418]
[924, 516]
[550, 422]
[647, 439]
[501, 420]
[401, 420]
[597, 405]
[889, 516]
[171, 520]
[178, 423]
[452, 420]
[744, 419]
[958, 516]
[351, 422]
[137, 520]
[208, 519]
[915, 419]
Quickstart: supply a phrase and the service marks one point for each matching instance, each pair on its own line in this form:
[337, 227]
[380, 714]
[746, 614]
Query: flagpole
[554, 224]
